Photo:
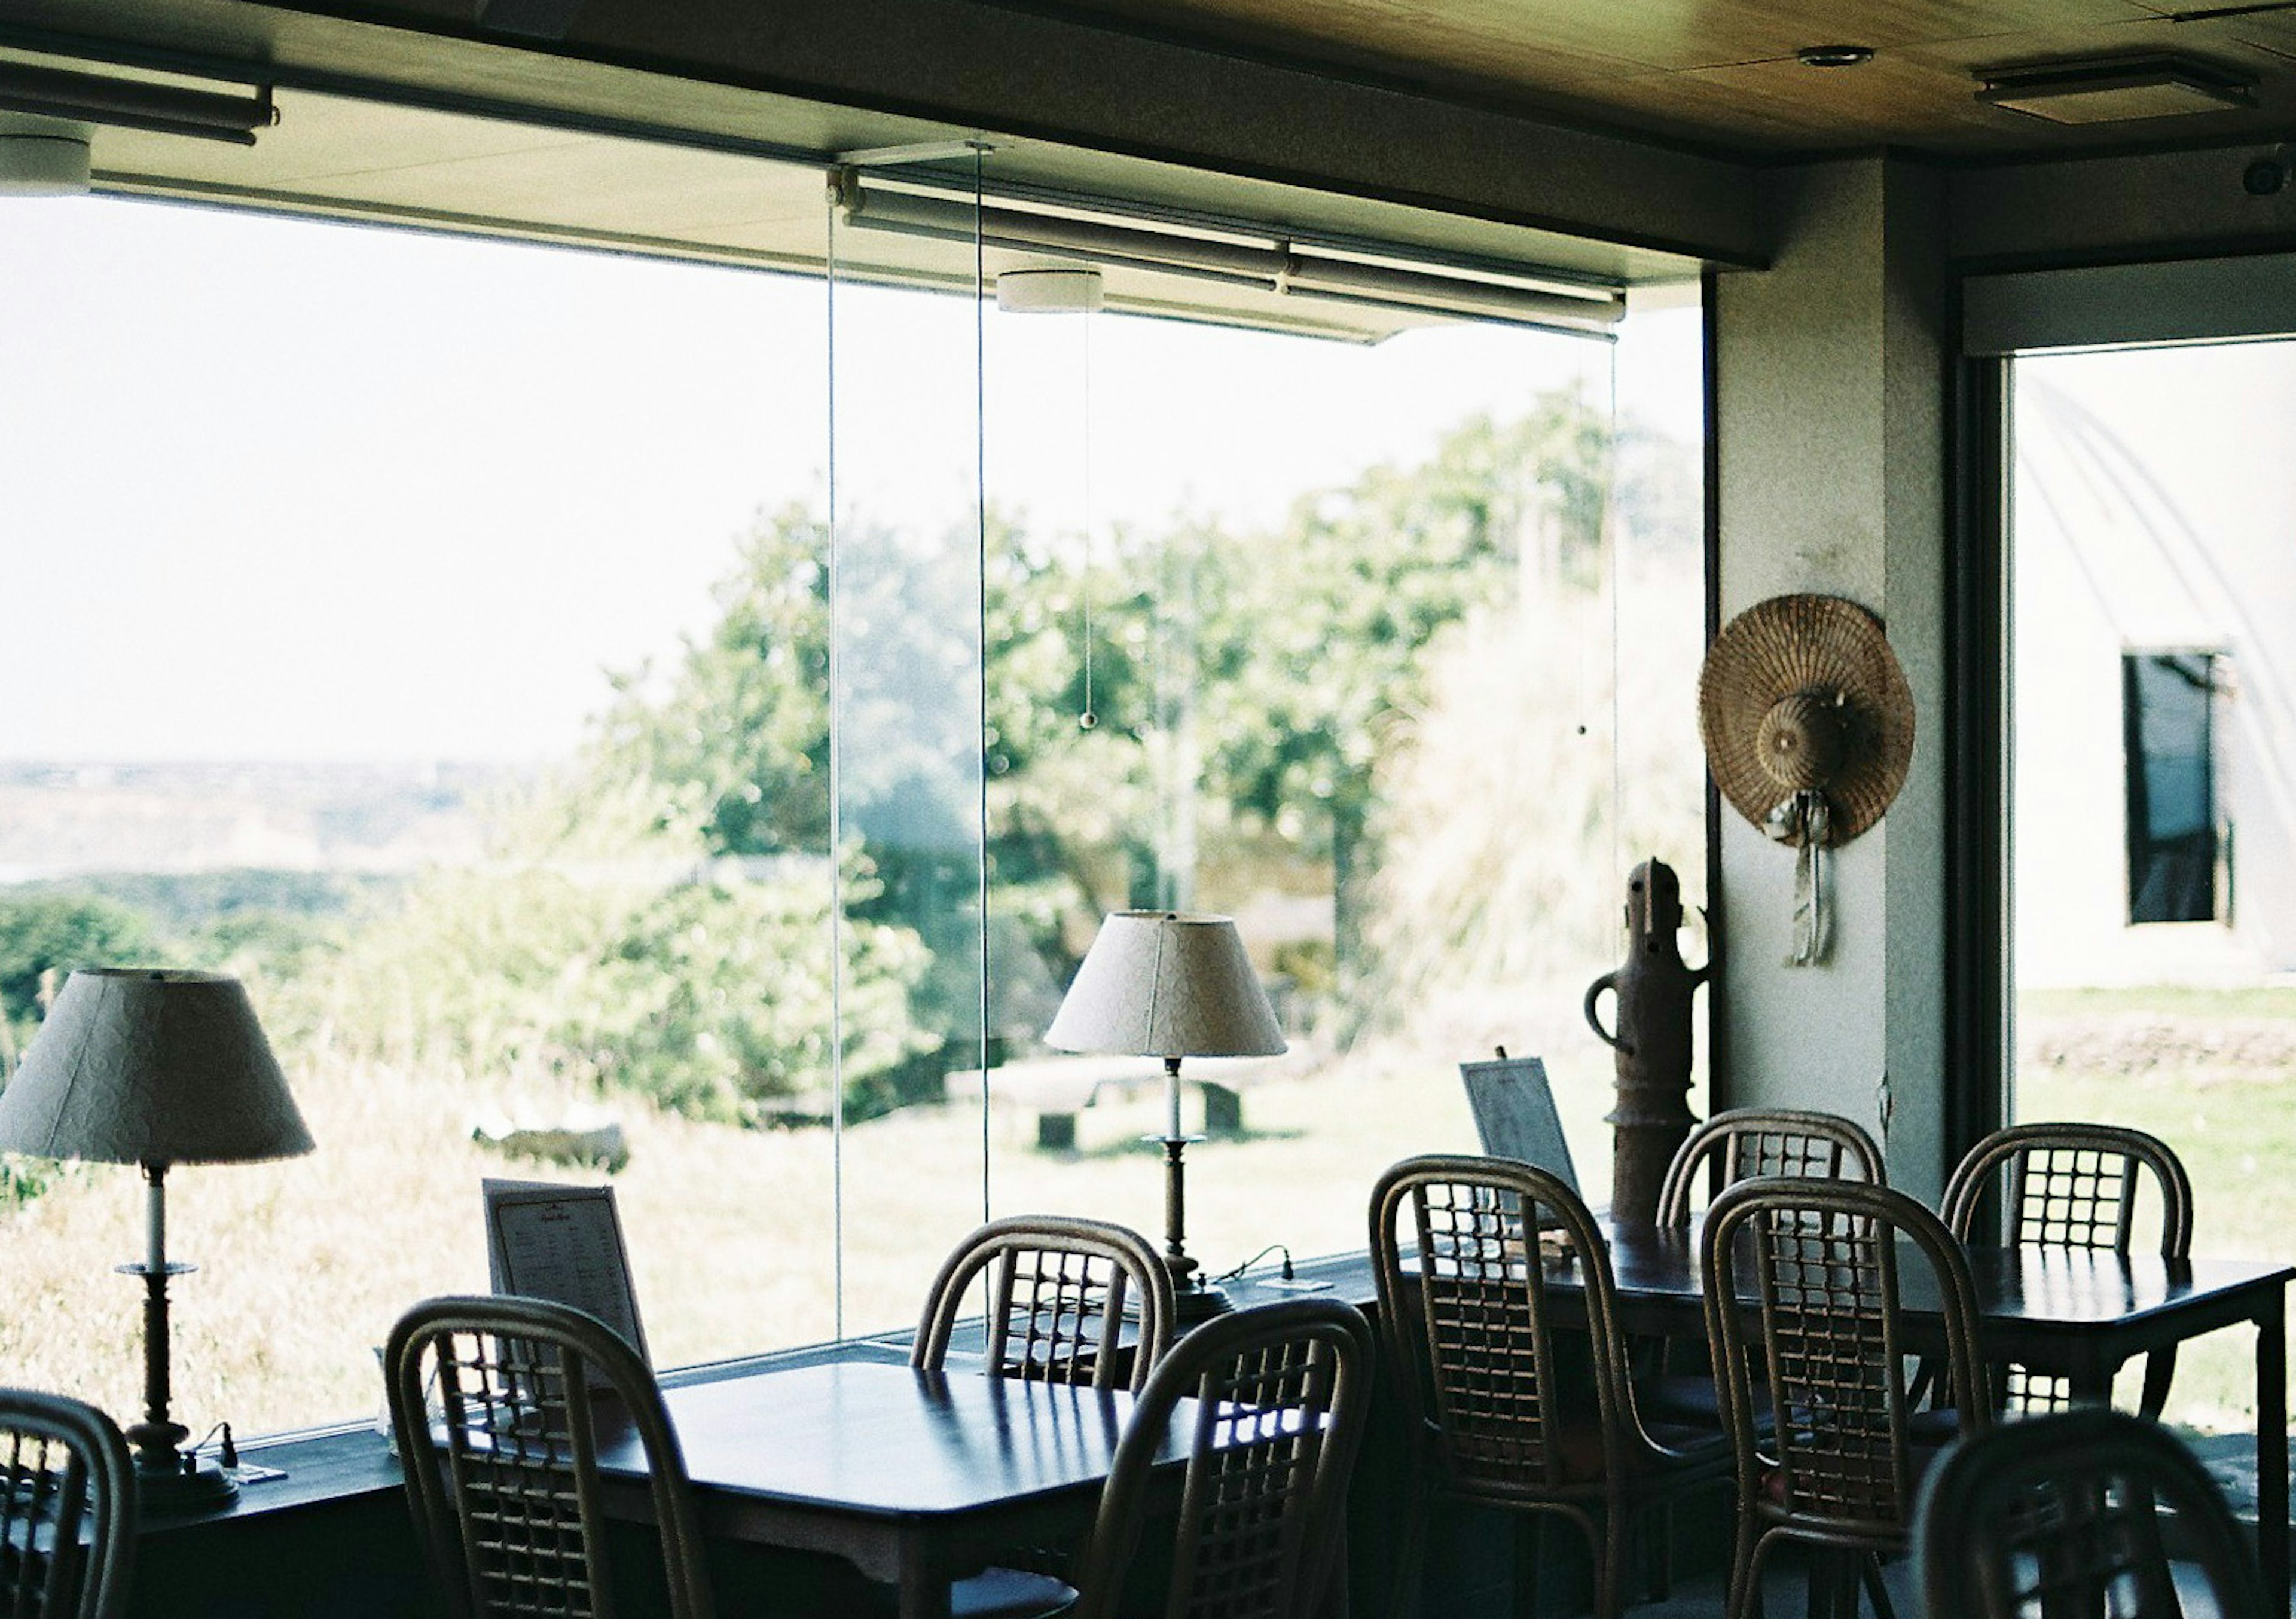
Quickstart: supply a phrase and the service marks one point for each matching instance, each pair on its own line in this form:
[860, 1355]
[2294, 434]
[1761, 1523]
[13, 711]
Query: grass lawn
[2210, 1073]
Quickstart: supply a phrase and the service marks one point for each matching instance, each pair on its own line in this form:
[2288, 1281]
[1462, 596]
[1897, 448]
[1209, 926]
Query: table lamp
[1161, 984]
[156, 1067]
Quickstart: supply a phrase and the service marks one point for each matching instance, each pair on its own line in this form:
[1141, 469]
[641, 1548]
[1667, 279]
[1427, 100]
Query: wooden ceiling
[1724, 73]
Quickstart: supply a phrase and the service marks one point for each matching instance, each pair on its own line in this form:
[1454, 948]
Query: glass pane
[1349, 616]
[2155, 841]
[417, 627]
[906, 727]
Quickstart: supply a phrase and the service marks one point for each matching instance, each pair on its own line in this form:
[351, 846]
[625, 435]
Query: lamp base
[1195, 1306]
[172, 1492]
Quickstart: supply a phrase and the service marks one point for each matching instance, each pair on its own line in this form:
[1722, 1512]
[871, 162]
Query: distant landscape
[61, 821]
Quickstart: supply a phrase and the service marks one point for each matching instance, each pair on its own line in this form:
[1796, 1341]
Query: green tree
[50, 932]
[1316, 638]
[738, 732]
[598, 942]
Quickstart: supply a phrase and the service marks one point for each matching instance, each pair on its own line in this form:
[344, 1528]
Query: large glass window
[591, 699]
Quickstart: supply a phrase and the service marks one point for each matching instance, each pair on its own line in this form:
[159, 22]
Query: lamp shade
[146, 1065]
[1161, 983]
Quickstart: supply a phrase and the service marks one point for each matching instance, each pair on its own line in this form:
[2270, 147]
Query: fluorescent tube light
[1381, 280]
[89, 98]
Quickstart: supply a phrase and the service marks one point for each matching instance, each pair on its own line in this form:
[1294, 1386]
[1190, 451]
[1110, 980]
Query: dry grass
[304, 1264]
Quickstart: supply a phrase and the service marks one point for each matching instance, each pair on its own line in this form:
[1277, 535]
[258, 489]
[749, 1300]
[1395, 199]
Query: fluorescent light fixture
[1388, 278]
[2115, 89]
[90, 98]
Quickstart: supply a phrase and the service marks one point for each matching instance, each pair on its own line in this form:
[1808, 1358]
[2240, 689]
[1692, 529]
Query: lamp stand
[169, 1481]
[1196, 1299]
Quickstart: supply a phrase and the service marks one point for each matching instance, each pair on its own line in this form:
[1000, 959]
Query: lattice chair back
[1269, 1403]
[1474, 1334]
[66, 1510]
[1748, 1143]
[2064, 1514]
[1061, 1291]
[1817, 1262]
[506, 1490]
[2073, 1186]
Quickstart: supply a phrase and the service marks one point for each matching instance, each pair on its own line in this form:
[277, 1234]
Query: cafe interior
[1834, 1307]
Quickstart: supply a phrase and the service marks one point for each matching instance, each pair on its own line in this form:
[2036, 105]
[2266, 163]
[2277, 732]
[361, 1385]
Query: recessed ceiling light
[2114, 89]
[1834, 55]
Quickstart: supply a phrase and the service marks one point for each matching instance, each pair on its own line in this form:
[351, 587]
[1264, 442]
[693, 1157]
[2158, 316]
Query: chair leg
[1658, 1552]
[1528, 1528]
[1746, 1571]
[1609, 1550]
[1410, 1556]
[1871, 1566]
[1833, 1580]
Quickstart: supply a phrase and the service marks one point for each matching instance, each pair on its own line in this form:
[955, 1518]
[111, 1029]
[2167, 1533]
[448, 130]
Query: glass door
[2153, 780]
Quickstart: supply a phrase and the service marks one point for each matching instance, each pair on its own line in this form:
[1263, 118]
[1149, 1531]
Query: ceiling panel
[1724, 70]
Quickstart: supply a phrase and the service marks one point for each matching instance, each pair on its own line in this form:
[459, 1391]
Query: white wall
[1830, 370]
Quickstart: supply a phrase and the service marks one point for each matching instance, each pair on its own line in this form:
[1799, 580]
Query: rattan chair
[1742, 1144]
[1269, 1404]
[1471, 1332]
[2073, 1186]
[67, 1508]
[1060, 1294]
[2063, 1514]
[1747, 1142]
[506, 1489]
[1835, 1466]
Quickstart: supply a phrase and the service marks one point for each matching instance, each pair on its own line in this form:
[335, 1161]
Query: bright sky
[278, 490]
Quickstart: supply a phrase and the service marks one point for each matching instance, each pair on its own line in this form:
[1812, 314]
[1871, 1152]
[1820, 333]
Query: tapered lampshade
[148, 1065]
[1162, 984]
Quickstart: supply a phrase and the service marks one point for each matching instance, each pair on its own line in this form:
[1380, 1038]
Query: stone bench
[1056, 1089]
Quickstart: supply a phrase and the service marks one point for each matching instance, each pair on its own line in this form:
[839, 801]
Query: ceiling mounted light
[1048, 291]
[2114, 89]
[39, 157]
[1834, 55]
[90, 98]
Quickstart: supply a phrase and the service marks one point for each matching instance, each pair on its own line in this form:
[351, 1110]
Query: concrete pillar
[1829, 415]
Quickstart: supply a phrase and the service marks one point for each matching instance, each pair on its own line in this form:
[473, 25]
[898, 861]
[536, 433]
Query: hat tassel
[1806, 821]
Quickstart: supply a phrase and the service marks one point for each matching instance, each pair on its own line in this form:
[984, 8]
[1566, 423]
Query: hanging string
[1090, 718]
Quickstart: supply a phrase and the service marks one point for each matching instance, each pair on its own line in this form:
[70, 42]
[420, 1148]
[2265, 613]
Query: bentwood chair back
[1815, 1264]
[1061, 1292]
[1481, 1347]
[67, 1508]
[1745, 1143]
[2074, 1186]
[1269, 1404]
[1058, 1292]
[2064, 1514]
[506, 1492]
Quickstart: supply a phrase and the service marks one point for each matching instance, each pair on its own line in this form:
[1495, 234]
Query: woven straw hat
[1803, 693]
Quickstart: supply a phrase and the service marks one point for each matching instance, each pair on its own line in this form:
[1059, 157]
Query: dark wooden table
[2078, 1314]
[915, 1478]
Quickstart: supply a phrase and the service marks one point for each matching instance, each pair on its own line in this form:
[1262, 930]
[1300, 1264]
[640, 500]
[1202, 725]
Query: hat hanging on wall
[1808, 728]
